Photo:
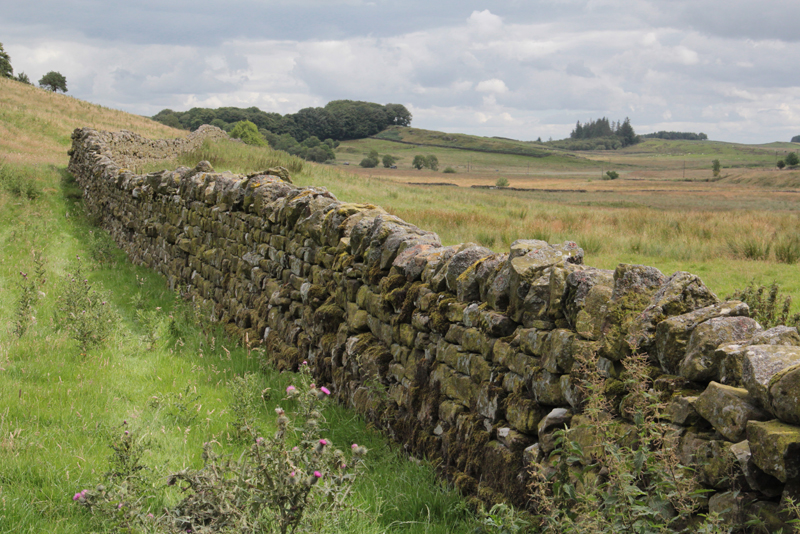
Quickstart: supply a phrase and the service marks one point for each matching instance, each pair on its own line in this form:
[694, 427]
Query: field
[168, 373]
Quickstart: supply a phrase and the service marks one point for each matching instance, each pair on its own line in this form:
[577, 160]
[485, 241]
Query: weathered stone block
[728, 409]
[700, 362]
[775, 447]
[760, 363]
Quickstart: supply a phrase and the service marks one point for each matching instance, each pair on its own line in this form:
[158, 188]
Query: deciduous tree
[54, 81]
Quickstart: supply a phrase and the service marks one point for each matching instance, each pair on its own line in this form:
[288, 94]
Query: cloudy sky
[514, 68]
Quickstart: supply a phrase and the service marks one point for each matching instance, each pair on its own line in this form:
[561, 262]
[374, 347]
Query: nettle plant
[625, 477]
[278, 481]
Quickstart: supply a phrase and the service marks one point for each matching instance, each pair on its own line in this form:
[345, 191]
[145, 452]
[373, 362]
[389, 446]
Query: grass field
[59, 408]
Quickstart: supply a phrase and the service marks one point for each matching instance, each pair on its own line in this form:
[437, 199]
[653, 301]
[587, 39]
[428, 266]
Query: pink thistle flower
[305, 362]
[291, 474]
[76, 496]
[312, 386]
[290, 389]
[317, 474]
[325, 390]
[259, 440]
[354, 446]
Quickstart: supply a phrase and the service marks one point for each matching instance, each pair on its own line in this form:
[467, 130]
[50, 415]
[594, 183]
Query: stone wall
[461, 354]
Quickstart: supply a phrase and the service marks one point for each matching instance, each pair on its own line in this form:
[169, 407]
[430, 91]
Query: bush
[449, 170]
[369, 163]
[501, 182]
[611, 175]
[792, 159]
[781, 164]
[248, 133]
[388, 160]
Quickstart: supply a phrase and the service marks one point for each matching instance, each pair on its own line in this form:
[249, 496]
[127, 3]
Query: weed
[248, 401]
[181, 407]
[617, 477]
[485, 238]
[767, 305]
[84, 311]
[501, 182]
[750, 248]
[102, 247]
[24, 312]
[787, 250]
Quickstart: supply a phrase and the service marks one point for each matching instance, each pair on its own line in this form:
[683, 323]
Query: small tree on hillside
[22, 77]
[388, 160]
[6, 71]
[419, 162]
[791, 159]
[433, 162]
[781, 164]
[54, 81]
[248, 133]
[715, 167]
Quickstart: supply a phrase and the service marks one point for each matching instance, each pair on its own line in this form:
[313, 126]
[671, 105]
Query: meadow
[167, 373]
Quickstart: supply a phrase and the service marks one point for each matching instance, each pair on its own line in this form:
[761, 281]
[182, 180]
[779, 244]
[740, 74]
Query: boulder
[760, 363]
[728, 409]
[775, 447]
[681, 293]
[755, 477]
[634, 285]
[784, 394]
[586, 295]
[778, 335]
[672, 334]
[465, 258]
[700, 363]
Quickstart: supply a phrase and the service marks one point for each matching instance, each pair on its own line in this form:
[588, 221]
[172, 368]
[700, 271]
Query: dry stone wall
[463, 355]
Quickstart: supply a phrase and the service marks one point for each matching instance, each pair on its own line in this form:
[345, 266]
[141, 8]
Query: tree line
[339, 120]
[601, 128]
[686, 136]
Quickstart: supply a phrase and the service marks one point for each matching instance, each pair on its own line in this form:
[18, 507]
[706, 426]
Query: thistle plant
[84, 311]
[24, 317]
[278, 482]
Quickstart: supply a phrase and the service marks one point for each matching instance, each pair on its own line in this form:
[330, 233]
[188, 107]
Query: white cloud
[492, 86]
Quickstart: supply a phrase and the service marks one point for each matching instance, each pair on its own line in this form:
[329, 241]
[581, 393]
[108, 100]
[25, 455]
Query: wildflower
[317, 474]
[259, 440]
[325, 390]
[305, 362]
[279, 410]
[323, 442]
[354, 446]
[76, 496]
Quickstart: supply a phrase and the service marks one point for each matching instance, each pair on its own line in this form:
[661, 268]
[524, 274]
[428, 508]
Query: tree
[22, 77]
[715, 167]
[54, 81]
[791, 159]
[248, 133]
[388, 160]
[433, 162]
[419, 162]
[781, 164]
[398, 115]
[6, 71]
[796, 139]
[611, 175]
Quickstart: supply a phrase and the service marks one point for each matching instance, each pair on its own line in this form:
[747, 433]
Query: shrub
[449, 170]
[781, 164]
[792, 159]
[369, 162]
[611, 175]
[248, 133]
[28, 296]
[501, 182]
[787, 250]
[389, 160]
[715, 167]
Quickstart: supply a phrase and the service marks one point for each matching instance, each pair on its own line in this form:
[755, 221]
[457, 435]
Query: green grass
[59, 408]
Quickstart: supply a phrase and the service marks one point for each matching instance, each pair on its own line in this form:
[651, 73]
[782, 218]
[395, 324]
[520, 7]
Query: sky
[523, 69]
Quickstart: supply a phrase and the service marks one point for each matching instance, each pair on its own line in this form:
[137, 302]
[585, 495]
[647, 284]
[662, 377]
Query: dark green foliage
[767, 305]
[449, 170]
[686, 136]
[796, 139]
[6, 71]
[433, 162]
[22, 77]
[601, 134]
[419, 162]
[715, 167]
[501, 182]
[611, 175]
[248, 133]
[338, 120]
[388, 160]
[54, 81]
[369, 162]
[781, 164]
[792, 159]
